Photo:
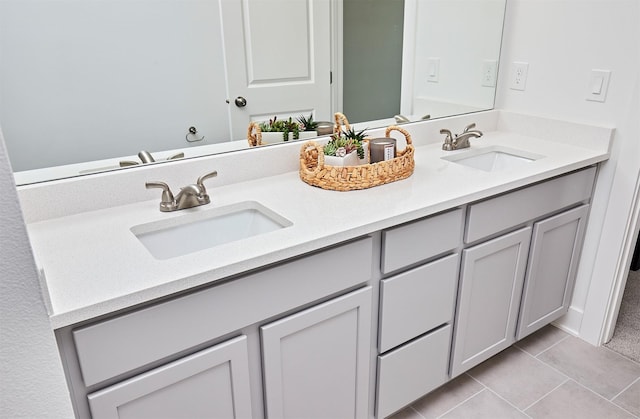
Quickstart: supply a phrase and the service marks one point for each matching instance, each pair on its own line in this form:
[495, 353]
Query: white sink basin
[191, 232]
[491, 159]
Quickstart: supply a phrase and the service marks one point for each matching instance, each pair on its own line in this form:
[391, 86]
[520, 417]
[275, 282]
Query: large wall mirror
[87, 84]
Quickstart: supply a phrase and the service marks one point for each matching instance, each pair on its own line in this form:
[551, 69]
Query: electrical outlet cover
[518, 75]
[489, 73]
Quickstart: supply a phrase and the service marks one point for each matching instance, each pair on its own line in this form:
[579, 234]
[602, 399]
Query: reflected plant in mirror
[86, 84]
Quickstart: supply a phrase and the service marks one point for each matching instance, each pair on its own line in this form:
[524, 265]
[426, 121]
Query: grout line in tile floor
[468, 398]
[552, 346]
[549, 392]
[626, 388]
[604, 398]
[510, 404]
[417, 413]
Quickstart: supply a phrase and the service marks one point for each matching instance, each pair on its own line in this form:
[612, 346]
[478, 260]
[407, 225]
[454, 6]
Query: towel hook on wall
[191, 136]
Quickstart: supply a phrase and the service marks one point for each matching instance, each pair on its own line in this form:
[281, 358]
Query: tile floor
[550, 374]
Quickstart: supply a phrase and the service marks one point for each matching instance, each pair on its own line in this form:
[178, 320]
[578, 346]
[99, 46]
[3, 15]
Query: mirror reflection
[87, 85]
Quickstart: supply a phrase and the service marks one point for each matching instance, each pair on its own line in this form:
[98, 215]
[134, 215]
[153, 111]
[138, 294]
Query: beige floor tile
[517, 377]
[448, 396]
[484, 405]
[597, 368]
[630, 399]
[541, 340]
[572, 401]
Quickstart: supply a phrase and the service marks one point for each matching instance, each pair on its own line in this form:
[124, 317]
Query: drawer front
[122, 344]
[412, 371]
[417, 301]
[419, 240]
[514, 208]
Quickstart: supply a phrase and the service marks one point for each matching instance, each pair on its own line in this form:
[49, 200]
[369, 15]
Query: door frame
[337, 39]
[622, 267]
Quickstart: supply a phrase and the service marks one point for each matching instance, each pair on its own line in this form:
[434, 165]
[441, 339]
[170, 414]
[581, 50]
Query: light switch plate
[598, 85]
[433, 69]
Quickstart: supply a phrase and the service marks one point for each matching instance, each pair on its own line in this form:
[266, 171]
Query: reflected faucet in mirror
[146, 157]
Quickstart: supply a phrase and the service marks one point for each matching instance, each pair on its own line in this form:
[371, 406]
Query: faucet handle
[168, 202]
[448, 133]
[204, 177]
[470, 126]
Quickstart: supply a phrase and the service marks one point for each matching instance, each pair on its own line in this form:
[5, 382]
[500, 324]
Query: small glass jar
[382, 149]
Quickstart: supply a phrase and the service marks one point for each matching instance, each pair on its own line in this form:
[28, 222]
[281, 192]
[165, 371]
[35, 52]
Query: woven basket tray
[348, 178]
[254, 134]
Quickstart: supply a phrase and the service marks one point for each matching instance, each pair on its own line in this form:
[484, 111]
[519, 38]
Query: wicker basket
[254, 134]
[348, 178]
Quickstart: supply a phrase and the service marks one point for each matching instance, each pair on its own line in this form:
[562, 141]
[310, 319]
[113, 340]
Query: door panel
[490, 288]
[213, 383]
[281, 67]
[316, 363]
[551, 272]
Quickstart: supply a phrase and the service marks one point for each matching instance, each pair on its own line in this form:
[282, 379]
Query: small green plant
[345, 142]
[307, 123]
[283, 126]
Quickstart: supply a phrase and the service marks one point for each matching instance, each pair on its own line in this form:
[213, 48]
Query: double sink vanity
[279, 299]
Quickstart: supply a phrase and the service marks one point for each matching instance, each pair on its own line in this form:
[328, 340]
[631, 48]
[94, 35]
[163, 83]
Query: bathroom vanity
[361, 303]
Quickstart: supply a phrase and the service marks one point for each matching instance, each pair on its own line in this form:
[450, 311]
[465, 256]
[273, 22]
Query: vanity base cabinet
[491, 281]
[551, 272]
[212, 383]
[316, 362]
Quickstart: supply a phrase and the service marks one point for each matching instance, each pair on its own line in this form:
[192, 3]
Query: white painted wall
[85, 71]
[562, 40]
[32, 383]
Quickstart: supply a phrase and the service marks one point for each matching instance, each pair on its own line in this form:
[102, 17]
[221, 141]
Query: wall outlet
[489, 73]
[518, 75]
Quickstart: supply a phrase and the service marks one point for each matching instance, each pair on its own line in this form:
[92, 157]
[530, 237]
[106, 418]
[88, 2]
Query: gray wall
[372, 58]
[31, 379]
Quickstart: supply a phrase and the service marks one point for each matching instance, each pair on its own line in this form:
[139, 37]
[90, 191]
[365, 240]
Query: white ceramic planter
[305, 135]
[350, 159]
[272, 137]
[276, 137]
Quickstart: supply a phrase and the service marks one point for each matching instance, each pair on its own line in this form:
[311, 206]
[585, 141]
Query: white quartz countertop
[94, 265]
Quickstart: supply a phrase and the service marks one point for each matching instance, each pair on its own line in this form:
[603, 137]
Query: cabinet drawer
[119, 345]
[412, 371]
[503, 212]
[417, 301]
[419, 240]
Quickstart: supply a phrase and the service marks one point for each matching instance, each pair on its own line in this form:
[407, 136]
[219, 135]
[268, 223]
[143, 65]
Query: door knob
[241, 102]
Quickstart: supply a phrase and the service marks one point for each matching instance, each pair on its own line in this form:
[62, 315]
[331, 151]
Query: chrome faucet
[459, 141]
[190, 196]
[146, 157]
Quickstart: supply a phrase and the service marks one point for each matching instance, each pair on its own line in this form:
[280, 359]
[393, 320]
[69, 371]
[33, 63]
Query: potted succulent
[277, 130]
[308, 127]
[345, 148]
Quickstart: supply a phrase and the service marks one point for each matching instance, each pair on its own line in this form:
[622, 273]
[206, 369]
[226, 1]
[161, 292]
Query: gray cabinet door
[213, 383]
[551, 271]
[316, 362]
[491, 283]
